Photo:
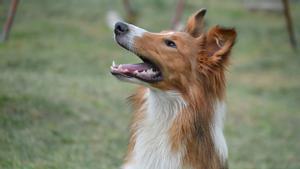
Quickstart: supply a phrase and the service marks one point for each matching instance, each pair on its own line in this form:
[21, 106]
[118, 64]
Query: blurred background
[61, 109]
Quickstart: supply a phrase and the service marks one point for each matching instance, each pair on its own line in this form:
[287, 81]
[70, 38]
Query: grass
[61, 109]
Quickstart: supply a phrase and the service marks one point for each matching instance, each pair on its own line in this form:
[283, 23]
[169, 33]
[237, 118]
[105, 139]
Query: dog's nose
[121, 28]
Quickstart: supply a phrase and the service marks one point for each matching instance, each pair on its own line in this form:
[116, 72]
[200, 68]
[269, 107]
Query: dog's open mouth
[146, 71]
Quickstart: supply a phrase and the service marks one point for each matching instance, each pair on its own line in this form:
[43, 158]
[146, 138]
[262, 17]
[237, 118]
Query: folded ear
[195, 23]
[219, 42]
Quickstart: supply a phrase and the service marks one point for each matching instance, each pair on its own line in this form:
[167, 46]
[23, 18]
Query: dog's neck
[166, 134]
[162, 106]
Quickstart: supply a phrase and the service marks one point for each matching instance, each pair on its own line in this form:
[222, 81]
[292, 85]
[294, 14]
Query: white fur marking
[217, 131]
[166, 33]
[134, 32]
[153, 149]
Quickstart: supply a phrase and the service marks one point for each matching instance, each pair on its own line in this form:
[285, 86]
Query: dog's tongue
[133, 67]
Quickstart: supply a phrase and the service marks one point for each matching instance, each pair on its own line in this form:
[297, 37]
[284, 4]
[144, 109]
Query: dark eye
[170, 43]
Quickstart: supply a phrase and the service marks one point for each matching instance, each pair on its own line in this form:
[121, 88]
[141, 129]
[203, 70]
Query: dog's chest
[153, 146]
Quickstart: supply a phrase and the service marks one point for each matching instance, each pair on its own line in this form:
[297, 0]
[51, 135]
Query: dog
[179, 106]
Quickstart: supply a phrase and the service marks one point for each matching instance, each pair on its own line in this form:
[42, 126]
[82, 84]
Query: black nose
[121, 28]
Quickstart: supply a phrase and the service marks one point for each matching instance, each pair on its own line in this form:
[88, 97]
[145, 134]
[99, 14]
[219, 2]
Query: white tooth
[145, 72]
[151, 71]
[136, 72]
[113, 63]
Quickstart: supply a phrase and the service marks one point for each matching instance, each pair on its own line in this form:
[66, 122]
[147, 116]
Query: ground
[61, 109]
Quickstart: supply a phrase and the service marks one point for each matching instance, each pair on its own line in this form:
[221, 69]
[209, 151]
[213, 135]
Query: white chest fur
[153, 149]
[217, 131]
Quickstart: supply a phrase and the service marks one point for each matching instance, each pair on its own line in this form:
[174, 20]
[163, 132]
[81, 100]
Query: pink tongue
[134, 67]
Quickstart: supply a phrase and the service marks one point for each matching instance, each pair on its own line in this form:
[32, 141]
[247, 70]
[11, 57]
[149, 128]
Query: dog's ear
[219, 42]
[195, 23]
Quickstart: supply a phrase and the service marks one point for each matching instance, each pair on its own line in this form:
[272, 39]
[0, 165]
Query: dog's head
[173, 60]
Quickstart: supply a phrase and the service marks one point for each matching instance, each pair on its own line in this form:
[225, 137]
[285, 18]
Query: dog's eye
[170, 43]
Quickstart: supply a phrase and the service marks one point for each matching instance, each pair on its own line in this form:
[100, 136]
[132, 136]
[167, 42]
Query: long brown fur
[197, 70]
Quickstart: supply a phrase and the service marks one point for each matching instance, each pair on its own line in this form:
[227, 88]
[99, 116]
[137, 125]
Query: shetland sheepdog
[179, 106]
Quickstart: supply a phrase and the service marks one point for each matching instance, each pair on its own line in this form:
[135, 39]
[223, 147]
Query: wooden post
[178, 13]
[289, 24]
[130, 12]
[9, 21]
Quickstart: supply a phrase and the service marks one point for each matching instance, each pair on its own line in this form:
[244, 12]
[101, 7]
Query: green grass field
[61, 109]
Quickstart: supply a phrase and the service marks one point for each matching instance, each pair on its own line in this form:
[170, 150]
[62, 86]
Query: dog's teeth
[113, 63]
[148, 72]
[151, 71]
